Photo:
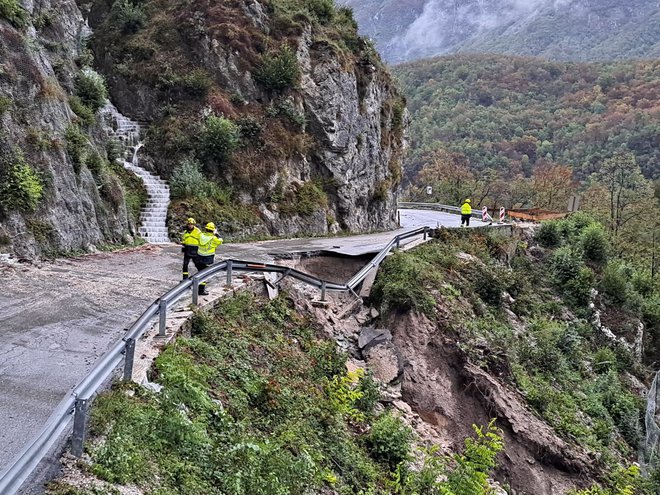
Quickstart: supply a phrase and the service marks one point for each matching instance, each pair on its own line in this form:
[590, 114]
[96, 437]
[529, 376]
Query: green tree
[221, 137]
[626, 189]
[21, 188]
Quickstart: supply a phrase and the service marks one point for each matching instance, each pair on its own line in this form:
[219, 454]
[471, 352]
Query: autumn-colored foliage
[514, 115]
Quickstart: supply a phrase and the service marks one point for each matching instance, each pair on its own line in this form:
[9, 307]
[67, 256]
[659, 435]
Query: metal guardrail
[437, 207]
[76, 404]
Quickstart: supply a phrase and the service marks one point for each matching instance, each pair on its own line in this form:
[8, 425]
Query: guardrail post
[162, 311]
[79, 427]
[195, 289]
[425, 230]
[229, 272]
[323, 285]
[129, 357]
[398, 242]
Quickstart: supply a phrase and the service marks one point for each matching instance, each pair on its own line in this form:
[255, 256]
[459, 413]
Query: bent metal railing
[77, 402]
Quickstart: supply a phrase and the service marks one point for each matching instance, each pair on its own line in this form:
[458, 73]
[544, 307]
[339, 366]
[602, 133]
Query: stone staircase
[153, 228]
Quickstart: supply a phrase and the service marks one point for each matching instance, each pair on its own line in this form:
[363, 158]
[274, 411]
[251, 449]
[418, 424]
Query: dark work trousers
[202, 262]
[465, 220]
[189, 254]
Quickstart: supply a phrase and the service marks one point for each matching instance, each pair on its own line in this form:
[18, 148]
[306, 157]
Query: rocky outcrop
[337, 131]
[381, 355]
[77, 208]
[356, 154]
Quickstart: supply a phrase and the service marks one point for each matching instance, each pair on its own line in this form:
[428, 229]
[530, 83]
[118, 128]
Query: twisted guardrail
[76, 404]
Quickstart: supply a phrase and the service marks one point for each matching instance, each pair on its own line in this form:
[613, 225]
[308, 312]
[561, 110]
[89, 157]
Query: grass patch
[305, 199]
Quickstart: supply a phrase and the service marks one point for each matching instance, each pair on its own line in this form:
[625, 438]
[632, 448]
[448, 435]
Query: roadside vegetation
[255, 403]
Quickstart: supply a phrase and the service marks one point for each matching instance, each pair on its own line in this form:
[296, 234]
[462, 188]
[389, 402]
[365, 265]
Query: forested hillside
[510, 115]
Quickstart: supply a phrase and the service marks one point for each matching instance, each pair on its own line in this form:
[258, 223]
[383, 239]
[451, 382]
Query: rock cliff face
[358, 153]
[320, 153]
[70, 208]
[564, 29]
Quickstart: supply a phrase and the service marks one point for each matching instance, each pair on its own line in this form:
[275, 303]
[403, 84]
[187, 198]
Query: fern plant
[470, 476]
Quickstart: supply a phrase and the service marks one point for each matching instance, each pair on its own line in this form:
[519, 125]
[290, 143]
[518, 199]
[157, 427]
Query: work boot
[202, 291]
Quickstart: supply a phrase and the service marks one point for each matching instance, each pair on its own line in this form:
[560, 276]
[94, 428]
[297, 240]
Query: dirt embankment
[452, 394]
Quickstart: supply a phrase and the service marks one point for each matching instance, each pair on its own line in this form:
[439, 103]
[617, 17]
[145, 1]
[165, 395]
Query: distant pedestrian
[190, 241]
[466, 213]
[208, 241]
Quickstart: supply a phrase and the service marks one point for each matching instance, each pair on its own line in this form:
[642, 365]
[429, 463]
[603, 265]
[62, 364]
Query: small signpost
[573, 203]
[485, 217]
[429, 190]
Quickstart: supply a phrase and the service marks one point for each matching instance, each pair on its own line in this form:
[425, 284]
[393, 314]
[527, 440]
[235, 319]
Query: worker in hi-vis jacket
[208, 241]
[466, 213]
[190, 241]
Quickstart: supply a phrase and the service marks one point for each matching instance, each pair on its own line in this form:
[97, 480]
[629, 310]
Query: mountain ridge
[578, 30]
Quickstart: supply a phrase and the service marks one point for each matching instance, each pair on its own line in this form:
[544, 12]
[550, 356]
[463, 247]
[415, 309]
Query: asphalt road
[58, 318]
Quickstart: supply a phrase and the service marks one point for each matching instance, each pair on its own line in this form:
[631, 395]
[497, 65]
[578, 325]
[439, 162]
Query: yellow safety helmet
[210, 226]
[191, 220]
[467, 200]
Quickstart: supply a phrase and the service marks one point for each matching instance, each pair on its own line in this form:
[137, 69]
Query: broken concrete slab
[269, 282]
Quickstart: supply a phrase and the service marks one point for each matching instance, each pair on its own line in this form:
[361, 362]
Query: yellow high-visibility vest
[207, 244]
[191, 237]
[466, 209]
